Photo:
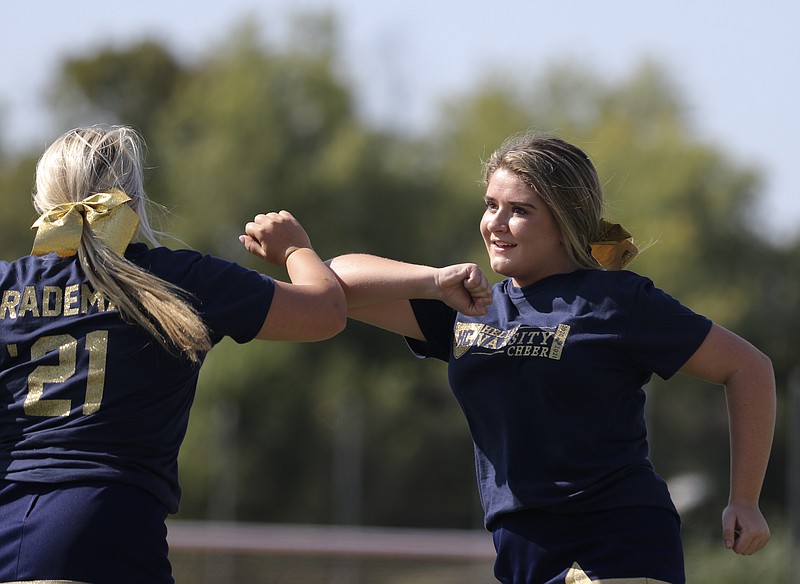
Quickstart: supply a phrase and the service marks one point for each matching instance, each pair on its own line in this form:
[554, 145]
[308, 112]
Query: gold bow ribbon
[615, 249]
[111, 219]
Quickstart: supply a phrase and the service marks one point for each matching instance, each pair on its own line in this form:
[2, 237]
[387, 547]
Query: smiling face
[521, 235]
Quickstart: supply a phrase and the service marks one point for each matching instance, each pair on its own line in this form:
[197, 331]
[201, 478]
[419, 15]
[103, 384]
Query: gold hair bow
[111, 219]
[615, 249]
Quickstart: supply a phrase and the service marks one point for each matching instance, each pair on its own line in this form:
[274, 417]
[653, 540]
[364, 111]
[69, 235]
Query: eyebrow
[512, 203]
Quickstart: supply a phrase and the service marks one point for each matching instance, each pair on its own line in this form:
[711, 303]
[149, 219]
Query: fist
[273, 236]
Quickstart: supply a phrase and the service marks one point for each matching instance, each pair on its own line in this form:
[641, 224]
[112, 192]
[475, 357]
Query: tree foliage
[354, 429]
[130, 84]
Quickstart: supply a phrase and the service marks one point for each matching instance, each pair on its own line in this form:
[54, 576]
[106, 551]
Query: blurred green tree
[16, 211]
[126, 85]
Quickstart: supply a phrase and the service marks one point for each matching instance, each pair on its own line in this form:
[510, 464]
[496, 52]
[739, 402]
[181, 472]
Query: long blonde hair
[95, 159]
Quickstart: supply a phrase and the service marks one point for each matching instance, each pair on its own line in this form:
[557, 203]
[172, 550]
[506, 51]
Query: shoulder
[35, 269]
[176, 264]
[650, 304]
[596, 291]
[197, 272]
[622, 278]
[630, 285]
[614, 284]
[140, 254]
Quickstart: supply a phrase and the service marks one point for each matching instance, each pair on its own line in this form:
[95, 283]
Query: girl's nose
[496, 222]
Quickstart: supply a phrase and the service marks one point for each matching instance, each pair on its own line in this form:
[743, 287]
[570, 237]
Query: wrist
[290, 250]
[438, 284]
[740, 495]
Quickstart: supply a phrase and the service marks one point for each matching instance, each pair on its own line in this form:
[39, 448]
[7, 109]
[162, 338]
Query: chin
[501, 269]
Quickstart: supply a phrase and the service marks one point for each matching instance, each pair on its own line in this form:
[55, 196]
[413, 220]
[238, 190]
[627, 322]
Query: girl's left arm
[312, 307]
[749, 381]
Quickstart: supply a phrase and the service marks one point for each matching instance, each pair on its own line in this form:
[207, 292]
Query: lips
[502, 245]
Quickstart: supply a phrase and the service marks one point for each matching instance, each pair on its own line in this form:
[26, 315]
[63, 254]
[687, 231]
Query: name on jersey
[519, 341]
[70, 300]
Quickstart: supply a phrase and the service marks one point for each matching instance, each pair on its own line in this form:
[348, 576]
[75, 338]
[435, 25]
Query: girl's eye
[491, 205]
[519, 211]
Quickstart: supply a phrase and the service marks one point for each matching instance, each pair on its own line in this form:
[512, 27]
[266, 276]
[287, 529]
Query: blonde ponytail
[156, 305]
[88, 161]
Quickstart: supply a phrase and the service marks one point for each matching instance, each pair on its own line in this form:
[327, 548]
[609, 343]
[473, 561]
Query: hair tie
[614, 249]
[111, 219]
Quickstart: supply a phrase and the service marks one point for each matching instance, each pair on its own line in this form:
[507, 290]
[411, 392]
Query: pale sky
[736, 62]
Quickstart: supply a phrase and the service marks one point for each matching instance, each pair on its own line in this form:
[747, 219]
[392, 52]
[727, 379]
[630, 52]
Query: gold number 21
[67, 346]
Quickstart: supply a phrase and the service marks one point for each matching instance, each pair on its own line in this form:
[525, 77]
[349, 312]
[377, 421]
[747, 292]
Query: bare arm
[749, 382]
[310, 308]
[378, 290]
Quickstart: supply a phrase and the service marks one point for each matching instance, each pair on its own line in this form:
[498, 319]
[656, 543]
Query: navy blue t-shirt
[87, 396]
[551, 383]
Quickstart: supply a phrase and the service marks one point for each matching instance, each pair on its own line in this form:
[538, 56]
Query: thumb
[730, 531]
[477, 284]
[252, 245]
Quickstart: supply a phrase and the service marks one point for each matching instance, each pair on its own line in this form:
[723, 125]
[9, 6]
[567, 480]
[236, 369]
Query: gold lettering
[28, 302]
[66, 347]
[490, 330]
[52, 301]
[493, 343]
[536, 342]
[465, 336]
[70, 300]
[558, 341]
[89, 298]
[530, 342]
[10, 304]
[52, 298]
[97, 345]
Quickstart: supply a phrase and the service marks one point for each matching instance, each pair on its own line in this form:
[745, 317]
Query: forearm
[750, 395]
[749, 382]
[312, 307]
[304, 267]
[368, 279]
[309, 274]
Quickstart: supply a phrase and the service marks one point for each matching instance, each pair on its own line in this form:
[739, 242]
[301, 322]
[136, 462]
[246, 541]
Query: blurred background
[369, 122]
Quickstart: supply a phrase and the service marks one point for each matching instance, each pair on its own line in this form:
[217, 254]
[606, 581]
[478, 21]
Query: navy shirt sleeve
[222, 291]
[663, 334]
[436, 321]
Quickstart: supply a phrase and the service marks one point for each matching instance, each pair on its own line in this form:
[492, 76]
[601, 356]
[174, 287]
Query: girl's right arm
[378, 290]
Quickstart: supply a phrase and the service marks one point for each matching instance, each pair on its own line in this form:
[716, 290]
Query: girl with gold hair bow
[549, 366]
[102, 341]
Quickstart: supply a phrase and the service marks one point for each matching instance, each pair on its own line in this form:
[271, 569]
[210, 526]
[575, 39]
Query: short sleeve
[663, 333]
[232, 300]
[436, 320]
